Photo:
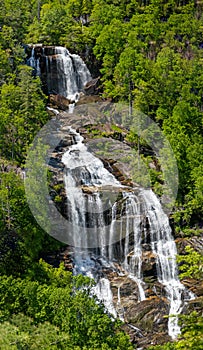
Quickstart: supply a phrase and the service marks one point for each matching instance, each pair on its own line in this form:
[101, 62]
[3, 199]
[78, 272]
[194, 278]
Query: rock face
[144, 320]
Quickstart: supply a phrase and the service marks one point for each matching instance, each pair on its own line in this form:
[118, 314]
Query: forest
[148, 53]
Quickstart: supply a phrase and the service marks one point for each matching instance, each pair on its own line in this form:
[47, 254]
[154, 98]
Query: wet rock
[148, 262]
[59, 101]
[55, 162]
[148, 315]
[194, 286]
[86, 99]
[92, 87]
[196, 304]
[195, 242]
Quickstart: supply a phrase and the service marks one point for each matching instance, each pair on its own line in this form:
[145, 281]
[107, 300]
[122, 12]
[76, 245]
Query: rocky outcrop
[84, 99]
[195, 242]
[148, 315]
[92, 87]
[59, 101]
[195, 286]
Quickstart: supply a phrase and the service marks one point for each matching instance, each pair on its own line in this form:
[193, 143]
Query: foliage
[22, 241]
[22, 114]
[56, 308]
[21, 333]
[191, 264]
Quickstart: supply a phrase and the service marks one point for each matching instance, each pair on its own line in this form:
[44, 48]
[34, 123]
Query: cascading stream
[67, 75]
[34, 63]
[85, 170]
[104, 293]
[133, 263]
[164, 248]
[87, 210]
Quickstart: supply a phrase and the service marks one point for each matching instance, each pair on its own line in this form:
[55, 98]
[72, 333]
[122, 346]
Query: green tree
[17, 14]
[21, 239]
[191, 264]
[22, 114]
[65, 302]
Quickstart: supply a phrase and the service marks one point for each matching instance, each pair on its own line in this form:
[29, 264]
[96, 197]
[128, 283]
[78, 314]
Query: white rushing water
[133, 263]
[85, 175]
[164, 248]
[84, 169]
[66, 73]
[104, 293]
[72, 74]
[91, 173]
[34, 63]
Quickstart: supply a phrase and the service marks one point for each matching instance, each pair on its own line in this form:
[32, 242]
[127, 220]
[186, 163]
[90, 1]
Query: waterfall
[133, 263]
[86, 210]
[164, 248]
[82, 168]
[34, 63]
[110, 229]
[63, 73]
[104, 293]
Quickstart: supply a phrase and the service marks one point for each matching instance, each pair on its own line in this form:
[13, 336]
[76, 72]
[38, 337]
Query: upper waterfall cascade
[65, 74]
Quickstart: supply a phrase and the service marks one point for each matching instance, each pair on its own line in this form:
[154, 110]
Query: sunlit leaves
[56, 303]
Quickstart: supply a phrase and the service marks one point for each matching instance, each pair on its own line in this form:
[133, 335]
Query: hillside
[145, 56]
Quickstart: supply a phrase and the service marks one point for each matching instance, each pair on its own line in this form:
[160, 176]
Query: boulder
[59, 101]
[92, 87]
[87, 99]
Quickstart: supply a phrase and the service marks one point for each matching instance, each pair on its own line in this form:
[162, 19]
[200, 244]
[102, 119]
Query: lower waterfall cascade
[133, 219]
